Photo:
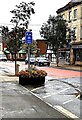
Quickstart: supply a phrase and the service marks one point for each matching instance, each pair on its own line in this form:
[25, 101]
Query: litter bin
[17, 68]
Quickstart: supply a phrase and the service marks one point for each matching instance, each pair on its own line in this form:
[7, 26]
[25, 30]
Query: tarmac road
[18, 102]
[57, 74]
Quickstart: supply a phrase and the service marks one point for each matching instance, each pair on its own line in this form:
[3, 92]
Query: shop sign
[76, 46]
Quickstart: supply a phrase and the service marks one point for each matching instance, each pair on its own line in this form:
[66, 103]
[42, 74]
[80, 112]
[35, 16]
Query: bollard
[17, 68]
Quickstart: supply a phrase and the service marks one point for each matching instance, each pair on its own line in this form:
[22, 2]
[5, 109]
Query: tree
[22, 14]
[21, 18]
[55, 33]
[4, 33]
[33, 47]
[14, 41]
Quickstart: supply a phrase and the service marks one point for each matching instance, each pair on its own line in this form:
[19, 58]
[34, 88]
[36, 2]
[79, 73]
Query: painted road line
[78, 96]
[63, 90]
[36, 88]
[65, 112]
[56, 107]
[67, 101]
[56, 93]
[47, 96]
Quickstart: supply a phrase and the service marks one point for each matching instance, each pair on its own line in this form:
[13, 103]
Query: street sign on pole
[29, 37]
[29, 41]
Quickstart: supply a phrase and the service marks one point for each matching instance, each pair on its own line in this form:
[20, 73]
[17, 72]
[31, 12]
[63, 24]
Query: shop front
[76, 54]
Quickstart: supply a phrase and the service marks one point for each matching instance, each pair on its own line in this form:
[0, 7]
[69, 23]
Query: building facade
[72, 13]
[42, 47]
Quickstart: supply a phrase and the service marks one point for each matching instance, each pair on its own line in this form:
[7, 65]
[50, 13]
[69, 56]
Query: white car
[42, 61]
[32, 60]
[3, 57]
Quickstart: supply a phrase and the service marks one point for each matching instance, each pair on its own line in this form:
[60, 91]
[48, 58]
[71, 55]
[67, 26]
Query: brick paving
[61, 73]
[68, 66]
[64, 70]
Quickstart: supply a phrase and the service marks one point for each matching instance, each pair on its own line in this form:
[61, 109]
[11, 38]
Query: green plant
[32, 73]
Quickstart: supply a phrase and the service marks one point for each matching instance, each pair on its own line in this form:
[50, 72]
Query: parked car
[42, 61]
[32, 60]
[3, 57]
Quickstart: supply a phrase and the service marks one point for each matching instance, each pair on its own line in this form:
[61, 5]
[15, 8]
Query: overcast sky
[43, 8]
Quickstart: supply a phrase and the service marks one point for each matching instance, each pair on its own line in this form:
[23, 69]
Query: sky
[43, 8]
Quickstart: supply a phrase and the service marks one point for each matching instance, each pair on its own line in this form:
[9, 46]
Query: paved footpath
[13, 95]
[71, 76]
[62, 73]
[18, 102]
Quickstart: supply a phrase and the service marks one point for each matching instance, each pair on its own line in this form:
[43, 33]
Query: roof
[22, 51]
[68, 6]
[6, 51]
[64, 49]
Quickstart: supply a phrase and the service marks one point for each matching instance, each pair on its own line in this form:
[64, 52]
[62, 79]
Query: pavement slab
[18, 102]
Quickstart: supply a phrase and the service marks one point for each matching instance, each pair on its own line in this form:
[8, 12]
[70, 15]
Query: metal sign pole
[28, 56]
[29, 41]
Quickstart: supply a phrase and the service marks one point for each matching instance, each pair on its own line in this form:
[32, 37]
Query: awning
[6, 51]
[64, 49]
[22, 51]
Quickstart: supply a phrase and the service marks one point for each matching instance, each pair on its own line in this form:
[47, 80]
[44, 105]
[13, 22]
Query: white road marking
[63, 90]
[65, 112]
[47, 96]
[67, 101]
[78, 96]
[56, 92]
[36, 89]
[57, 107]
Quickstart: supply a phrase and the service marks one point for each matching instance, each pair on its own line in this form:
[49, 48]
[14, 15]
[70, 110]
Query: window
[78, 56]
[70, 15]
[63, 15]
[81, 32]
[0, 47]
[75, 13]
[81, 12]
[0, 39]
[74, 30]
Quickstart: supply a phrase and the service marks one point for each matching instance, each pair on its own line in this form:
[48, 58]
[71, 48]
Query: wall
[42, 45]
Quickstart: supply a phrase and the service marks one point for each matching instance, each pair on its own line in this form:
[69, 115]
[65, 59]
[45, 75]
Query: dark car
[32, 60]
[42, 61]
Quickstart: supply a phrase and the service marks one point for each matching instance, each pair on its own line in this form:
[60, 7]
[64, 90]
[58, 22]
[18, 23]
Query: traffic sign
[28, 37]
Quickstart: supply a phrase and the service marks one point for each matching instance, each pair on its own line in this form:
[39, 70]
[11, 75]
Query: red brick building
[42, 46]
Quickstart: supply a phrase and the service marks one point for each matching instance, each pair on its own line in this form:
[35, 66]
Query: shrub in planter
[32, 76]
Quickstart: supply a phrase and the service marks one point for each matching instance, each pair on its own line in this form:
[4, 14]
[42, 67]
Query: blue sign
[28, 37]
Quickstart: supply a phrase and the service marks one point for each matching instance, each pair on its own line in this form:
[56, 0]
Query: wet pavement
[18, 102]
[58, 93]
[61, 91]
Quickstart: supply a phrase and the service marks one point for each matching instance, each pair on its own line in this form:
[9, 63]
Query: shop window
[81, 55]
[81, 33]
[78, 55]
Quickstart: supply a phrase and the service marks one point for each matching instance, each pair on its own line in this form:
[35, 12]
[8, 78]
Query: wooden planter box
[31, 81]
